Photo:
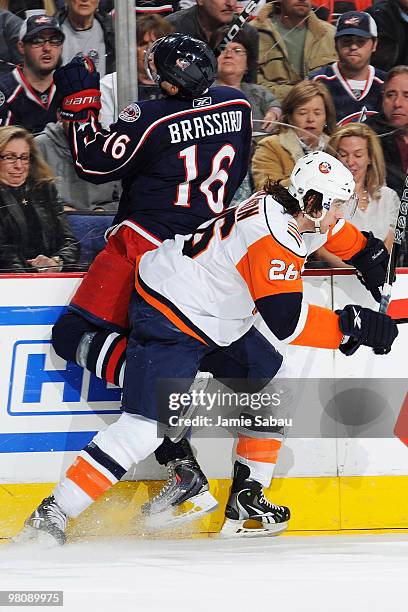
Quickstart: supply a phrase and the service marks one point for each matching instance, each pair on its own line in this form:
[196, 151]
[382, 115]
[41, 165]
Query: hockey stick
[236, 25]
[400, 228]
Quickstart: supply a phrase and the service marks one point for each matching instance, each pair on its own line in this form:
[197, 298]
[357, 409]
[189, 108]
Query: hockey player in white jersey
[200, 293]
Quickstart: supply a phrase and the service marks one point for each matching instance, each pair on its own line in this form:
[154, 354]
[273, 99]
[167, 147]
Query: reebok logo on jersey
[357, 318]
[199, 102]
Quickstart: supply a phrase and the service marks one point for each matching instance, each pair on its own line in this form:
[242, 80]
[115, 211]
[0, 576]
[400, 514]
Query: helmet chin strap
[316, 220]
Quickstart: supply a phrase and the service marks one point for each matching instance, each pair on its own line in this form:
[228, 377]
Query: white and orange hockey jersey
[250, 258]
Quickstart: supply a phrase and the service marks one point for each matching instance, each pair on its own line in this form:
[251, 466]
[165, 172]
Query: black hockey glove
[363, 326]
[77, 86]
[371, 264]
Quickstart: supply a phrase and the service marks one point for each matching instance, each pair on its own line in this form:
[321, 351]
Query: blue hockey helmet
[183, 61]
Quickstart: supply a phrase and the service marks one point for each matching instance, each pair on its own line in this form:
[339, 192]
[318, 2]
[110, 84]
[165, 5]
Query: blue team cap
[356, 23]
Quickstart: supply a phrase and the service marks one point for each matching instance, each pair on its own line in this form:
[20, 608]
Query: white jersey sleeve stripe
[304, 311]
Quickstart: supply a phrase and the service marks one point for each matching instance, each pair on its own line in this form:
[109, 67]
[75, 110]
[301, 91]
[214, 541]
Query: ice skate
[186, 483]
[247, 505]
[46, 525]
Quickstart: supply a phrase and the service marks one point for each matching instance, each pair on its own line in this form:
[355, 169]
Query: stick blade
[398, 309]
[401, 426]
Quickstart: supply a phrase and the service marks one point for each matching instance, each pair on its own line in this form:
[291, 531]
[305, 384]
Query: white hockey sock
[105, 460]
[261, 472]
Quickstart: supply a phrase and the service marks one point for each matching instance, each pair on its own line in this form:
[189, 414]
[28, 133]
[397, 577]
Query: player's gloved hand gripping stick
[77, 85]
[400, 311]
[371, 265]
[365, 327]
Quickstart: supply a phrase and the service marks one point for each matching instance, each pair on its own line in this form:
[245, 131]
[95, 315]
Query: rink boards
[50, 409]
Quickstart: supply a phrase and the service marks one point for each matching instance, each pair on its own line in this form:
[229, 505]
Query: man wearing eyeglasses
[27, 94]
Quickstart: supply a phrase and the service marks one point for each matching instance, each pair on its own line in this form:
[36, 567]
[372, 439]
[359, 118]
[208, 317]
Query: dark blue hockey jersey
[180, 161]
[21, 105]
[348, 106]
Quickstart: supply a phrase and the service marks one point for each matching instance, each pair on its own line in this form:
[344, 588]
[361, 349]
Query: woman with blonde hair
[309, 117]
[34, 233]
[359, 148]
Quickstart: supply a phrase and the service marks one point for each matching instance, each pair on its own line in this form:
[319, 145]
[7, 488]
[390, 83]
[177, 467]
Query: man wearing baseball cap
[27, 94]
[354, 84]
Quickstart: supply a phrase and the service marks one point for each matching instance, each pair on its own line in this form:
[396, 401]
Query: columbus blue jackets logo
[130, 113]
[324, 167]
[2, 98]
[182, 63]
[42, 19]
[352, 21]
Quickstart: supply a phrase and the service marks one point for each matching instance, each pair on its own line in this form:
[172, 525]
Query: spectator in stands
[76, 194]
[88, 31]
[233, 64]
[392, 126]
[357, 146]
[9, 35]
[308, 107]
[148, 29]
[27, 94]
[161, 7]
[22, 7]
[355, 85]
[391, 17]
[34, 233]
[207, 21]
[292, 43]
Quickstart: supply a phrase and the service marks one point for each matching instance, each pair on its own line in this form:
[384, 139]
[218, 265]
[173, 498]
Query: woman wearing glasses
[234, 63]
[34, 233]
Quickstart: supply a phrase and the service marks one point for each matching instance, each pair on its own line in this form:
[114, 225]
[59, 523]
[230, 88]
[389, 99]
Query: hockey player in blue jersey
[180, 159]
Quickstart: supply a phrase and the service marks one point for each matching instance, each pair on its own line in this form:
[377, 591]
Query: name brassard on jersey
[206, 125]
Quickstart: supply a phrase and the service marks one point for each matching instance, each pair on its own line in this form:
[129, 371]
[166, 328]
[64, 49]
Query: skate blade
[238, 529]
[30, 535]
[203, 503]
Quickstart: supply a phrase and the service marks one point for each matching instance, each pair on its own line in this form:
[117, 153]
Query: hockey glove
[371, 264]
[77, 86]
[363, 326]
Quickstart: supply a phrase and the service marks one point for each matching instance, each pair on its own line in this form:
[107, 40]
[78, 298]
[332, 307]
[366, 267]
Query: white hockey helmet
[321, 172]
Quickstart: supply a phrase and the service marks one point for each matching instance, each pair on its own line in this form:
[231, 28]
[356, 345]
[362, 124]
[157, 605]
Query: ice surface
[282, 574]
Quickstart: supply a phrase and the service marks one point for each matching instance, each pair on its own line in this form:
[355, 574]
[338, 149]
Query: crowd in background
[317, 79]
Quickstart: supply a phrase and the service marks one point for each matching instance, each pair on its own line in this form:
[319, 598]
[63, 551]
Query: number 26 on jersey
[280, 270]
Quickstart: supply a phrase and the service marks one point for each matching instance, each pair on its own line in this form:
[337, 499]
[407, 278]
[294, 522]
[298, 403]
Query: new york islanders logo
[324, 167]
